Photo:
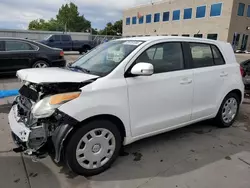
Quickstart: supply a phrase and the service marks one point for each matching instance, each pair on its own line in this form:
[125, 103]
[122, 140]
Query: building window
[176, 14]
[248, 11]
[157, 17]
[186, 35]
[141, 19]
[134, 20]
[212, 36]
[201, 12]
[241, 9]
[174, 35]
[198, 35]
[165, 16]
[216, 9]
[187, 13]
[127, 21]
[148, 18]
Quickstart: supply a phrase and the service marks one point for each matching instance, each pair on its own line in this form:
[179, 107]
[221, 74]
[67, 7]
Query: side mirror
[142, 69]
[51, 40]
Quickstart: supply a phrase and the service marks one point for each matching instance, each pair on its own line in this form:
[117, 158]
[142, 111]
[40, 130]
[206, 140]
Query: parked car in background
[245, 66]
[66, 43]
[18, 54]
[123, 91]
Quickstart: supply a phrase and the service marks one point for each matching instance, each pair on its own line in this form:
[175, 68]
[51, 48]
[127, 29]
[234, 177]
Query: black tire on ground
[70, 149]
[40, 62]
[219, 118]
[86, 48]
[80, 52]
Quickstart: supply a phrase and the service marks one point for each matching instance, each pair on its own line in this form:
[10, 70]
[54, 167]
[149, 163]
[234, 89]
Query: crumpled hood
[53, 75]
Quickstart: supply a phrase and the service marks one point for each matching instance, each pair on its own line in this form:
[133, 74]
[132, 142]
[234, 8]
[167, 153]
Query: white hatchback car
[120, 92]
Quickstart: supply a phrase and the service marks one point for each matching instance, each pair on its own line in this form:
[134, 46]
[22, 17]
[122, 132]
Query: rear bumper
[58, 63]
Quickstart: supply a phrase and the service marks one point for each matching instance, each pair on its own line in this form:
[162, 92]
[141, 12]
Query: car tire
[86, 49]
[93, 148]
[40, 64]
[228, 111]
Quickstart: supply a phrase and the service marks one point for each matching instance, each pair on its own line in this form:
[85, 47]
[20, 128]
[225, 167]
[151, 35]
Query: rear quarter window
[218, 58]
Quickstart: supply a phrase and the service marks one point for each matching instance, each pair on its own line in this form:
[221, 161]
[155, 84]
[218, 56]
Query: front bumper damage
[39, 138]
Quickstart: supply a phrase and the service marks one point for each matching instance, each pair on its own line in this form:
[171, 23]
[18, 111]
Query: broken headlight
[47, 106]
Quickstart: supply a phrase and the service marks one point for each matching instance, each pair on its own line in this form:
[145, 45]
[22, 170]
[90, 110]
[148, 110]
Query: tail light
[242, 71]
[61, 53]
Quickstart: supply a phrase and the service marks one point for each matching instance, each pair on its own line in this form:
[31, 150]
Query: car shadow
[177, 152]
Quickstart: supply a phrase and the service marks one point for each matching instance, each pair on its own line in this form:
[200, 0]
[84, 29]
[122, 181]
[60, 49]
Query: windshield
[102, 60]
[47, 37]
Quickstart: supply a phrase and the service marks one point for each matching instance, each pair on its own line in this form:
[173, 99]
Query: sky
[16, 14]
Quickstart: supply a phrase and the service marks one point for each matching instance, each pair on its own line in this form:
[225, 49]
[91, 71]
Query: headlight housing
[47, 106]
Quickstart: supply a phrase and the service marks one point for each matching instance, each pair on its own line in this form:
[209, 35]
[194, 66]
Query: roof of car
[154, 38]
[13, 38]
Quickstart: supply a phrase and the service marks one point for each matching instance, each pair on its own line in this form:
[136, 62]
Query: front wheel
[228, 110]
[93, 148]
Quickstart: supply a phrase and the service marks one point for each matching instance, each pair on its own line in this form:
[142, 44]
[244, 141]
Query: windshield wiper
[80, 68]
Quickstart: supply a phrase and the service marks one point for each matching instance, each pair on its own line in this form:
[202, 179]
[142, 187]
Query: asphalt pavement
[197, 156]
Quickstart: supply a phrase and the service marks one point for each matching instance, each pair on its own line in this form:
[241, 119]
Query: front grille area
[24, 106]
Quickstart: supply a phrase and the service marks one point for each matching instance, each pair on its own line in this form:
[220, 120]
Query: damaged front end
[38, 127]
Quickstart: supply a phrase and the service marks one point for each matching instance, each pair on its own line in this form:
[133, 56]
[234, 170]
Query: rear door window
[57, 37]
[201, 55]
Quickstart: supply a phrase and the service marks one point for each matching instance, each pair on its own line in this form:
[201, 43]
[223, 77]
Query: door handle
[185, 81]
[223, 74]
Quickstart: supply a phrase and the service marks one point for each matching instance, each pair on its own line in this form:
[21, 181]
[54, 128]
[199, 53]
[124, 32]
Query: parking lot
[197, 156]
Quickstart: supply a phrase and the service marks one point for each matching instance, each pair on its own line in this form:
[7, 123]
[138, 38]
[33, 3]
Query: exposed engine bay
[39, 141]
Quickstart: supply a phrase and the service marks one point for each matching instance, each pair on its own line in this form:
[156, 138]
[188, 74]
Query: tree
[112, 29]
[94, 31]
[67, 19]
[68, 15]
[118, 27]
[40, 24]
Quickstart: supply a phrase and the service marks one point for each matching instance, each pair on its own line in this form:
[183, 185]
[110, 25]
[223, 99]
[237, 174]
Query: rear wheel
[228, 110]
[40, 64]
[93, 148]
[85, 49]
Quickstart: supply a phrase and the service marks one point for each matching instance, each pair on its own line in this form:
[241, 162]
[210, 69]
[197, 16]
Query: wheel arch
[238, 92]
[70, 132]
[85, 47]
[39, 59]
[114, 119]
